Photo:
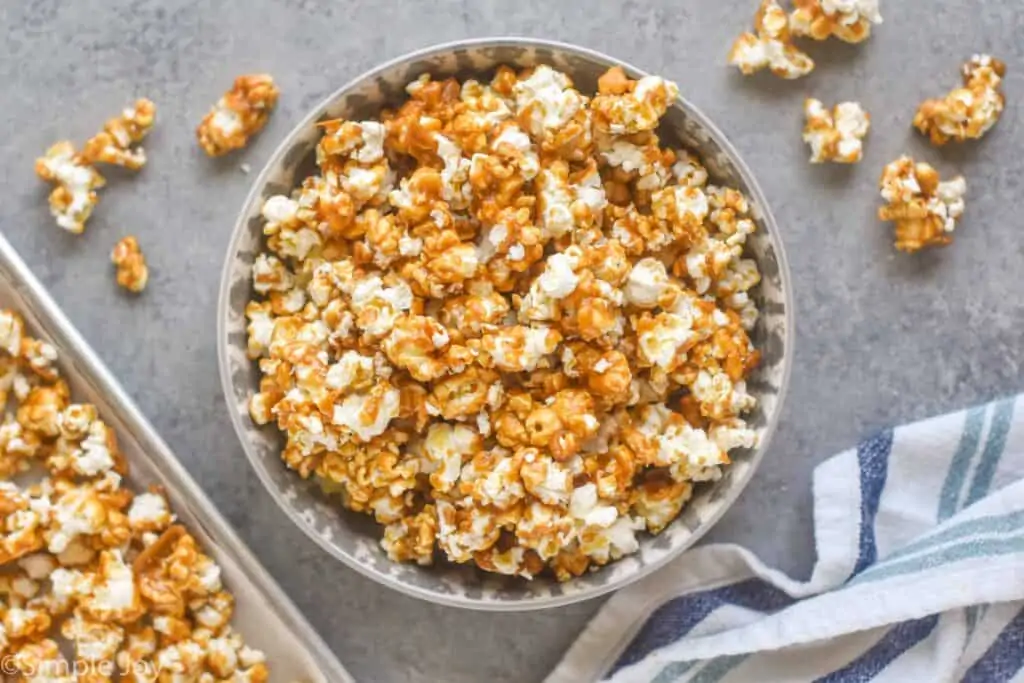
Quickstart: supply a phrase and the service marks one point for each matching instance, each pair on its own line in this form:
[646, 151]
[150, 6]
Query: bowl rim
[455, 600]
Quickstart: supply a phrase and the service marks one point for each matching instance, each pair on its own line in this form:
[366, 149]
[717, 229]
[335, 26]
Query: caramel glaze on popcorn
[132, 272]
[74, 173]
[847, 20]
[923, 208]
[966, 113]
[238, 115]
[836, 134]
[92, 569]
[770, 46]
[506, 322]
[114, 144]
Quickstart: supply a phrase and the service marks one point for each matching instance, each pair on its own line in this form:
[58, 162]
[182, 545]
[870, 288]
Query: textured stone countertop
[881, 337]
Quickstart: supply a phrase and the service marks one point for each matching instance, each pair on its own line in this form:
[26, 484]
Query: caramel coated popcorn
[238, 115]
[74, 174]
[771, 46]
[924, 209]
[114, 144]
[507, 322]
[93, 570]
[74, 197]
[848, 20]
[969, 112]
[132, 272]
[835, 135]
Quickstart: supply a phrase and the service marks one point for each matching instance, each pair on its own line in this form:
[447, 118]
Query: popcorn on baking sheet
[771, 46]
[114, 144]
[461, 319]
[132, 272]
[966, 113]
[93, 570]
[238, 115]
[848, 20]
[835, 135]
[924, 209]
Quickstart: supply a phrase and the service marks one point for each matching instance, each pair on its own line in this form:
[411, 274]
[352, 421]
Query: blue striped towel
[919, 577]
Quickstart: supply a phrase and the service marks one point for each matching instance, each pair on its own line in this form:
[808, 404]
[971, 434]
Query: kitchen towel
[919, 577]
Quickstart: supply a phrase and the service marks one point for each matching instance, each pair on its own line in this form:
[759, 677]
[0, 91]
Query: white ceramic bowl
[354, 538]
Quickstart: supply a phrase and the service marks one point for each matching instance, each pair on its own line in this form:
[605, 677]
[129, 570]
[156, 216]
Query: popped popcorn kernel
[132, 272]
[74, 197]
[966, 113]
[835, 135]
[238, 115]
[634, 106]
[114, 144]
[847, 20]
[471, 320]
[924, 210]
[770, 47]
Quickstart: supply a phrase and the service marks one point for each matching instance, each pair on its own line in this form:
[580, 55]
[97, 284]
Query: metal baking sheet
[263, 613]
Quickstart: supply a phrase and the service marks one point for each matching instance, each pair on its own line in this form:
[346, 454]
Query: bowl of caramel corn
[505, 324]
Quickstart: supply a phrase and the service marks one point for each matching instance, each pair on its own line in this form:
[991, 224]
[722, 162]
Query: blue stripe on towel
[674, 671]
[677, 617]
[968, 550]
[988, 525]
[1004, 657]
[961, 463]
[971, 615]
[894, 643]
[873, 460]
[994, 447]
[718, 668]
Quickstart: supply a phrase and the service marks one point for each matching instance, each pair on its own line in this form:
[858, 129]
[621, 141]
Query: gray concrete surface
[882, 338]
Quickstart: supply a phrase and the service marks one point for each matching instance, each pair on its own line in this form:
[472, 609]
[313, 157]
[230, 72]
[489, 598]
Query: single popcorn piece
[924, 209]
[74, 198]
[149, 512]
[546, 100]
[848, 20]
[770, 47]
[114, 144]
[238, 115]
[969, 112]
[132, 272]
[835, 135]
[629, 107]
[504, 321]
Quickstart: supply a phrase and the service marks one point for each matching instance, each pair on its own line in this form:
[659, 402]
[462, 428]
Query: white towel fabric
[919, 577]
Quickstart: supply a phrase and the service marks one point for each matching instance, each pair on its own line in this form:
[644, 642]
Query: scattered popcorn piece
[238, 115]
[471, 320]
[924, 209]
[835, 135]
[132, 272]
[771, 47]
[848, 20]
[969, 112]
[114, 144]
[74, 198]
